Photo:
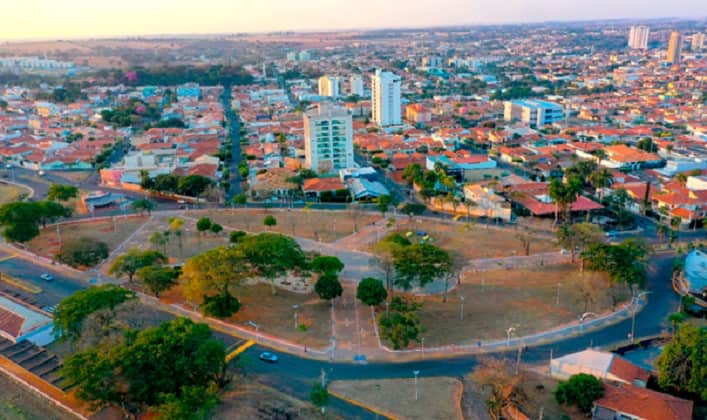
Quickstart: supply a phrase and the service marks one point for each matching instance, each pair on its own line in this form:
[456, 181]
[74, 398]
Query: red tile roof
[11, 323]
[322, 184]
[644, 403]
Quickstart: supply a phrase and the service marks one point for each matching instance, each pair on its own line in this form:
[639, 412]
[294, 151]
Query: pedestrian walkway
[354, 329]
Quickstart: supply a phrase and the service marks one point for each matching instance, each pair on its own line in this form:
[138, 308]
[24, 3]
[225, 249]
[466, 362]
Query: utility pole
[417, 394]
[520, 352]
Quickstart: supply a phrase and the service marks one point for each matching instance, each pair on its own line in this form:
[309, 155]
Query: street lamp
[295, 307]
[509, 331]
[634, 304]
[417, 394]
[583, 317]
[256, 326]
[422, 345]
[461, 308]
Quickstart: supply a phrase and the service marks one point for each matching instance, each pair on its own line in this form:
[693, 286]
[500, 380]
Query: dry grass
[256, 401]
[325, 226]
[524, 299]
[10, 193]
[274, 314]
[439, 398]
[473, 241]
[73, 176]
[113, 234]
[17, 402]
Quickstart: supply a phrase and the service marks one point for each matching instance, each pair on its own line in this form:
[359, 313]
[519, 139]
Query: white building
[385, 98]
[356, 82]
[638, 37]
[535, 113]
[330, 86]
[698, 41]
[328, 138]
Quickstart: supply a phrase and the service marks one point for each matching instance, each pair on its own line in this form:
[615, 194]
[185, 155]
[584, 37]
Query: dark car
[268, 357]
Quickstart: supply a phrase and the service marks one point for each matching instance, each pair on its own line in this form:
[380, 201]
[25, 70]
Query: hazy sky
[21, 19]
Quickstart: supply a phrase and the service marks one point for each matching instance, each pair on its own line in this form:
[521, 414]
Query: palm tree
[601, 179]
[175, 225]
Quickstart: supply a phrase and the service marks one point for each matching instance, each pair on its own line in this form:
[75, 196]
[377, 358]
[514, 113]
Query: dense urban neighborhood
[502, 222]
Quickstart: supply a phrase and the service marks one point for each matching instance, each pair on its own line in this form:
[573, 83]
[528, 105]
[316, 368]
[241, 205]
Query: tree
[413, 209]
[326, 264]
[682, 365]
[216, 228]
[83, 251]
[272, 255]
[157, 279]
[384, 201]
[22, 219]
[502, 386]
[159, 241]
[618, 203]
[328, 286]
[215, 273]
[129, 263]
[419, 264]
[564, 194]
[578, 236]
[72, 311]
[194, 403]
[239, 199]
[193, 185]
[319, 396]
[581, 390]
[236, 236]
[203, 225]
[601, 179]
[175, 361]
[371, 291]
[647, 145]
[175, 226]
[270, 220]
[401, 325]
[413, 173]
[625, 262]
[143, 205]
[59, 192]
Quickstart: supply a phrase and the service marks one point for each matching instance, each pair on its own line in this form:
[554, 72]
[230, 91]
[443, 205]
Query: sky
[52, 19]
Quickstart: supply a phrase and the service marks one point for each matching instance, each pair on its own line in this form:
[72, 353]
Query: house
[620, 156]
[314, 187]
[363, 189]
[604, 365]
[488, 203]
[535, 197]
[19, 322]
[628, 402]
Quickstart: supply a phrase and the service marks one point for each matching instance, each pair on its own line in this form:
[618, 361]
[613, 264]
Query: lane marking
[9, 257]
[239, 350]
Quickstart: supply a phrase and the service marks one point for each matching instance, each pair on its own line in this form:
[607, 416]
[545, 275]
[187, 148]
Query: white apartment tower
[328, 138]
[638, 37]
[385, 98]
[698, 41]
[329, 86]
[356, 82]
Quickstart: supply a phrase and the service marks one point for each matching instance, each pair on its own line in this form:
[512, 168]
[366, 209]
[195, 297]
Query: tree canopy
[420, 264]
[371, 292]
[625, 262]
[157, 279]
[682, 366]
[326, 264]
[71, 312]
[82, 252]
[272, 254]
[328, 286]
[401, 325]
[21, 220]
[60, 192]
[581, 390]
[129, 263]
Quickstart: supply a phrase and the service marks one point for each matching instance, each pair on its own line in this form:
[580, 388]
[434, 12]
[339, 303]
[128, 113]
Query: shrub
[83, 251]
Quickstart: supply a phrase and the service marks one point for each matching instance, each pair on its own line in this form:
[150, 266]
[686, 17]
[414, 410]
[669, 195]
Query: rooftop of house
[642, 403]
[17, 320]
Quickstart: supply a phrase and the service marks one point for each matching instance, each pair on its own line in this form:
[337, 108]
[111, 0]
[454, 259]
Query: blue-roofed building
[693, 280]
[363, 189]
[188, 91]
[535, 113]
[19, 322]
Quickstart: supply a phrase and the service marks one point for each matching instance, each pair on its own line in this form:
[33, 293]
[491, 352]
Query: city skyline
[43, 19]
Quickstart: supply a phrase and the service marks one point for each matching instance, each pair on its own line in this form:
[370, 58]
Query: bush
[83, 251]
[371, 291]
[237, 236]
[581, 389]
[220, 306]
[328, 286]
[270, 220]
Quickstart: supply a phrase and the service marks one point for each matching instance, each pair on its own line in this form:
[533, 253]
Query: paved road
[233, 124]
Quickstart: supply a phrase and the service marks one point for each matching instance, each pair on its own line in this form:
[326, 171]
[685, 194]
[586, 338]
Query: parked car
[46, 277]
[268, 357]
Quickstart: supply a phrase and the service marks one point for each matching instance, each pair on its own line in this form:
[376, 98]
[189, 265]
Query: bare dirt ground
[256, 401]
[439, 397]
[19, 403]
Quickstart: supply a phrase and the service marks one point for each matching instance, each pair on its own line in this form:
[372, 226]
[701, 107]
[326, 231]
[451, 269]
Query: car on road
[268, 357]
[46, 277]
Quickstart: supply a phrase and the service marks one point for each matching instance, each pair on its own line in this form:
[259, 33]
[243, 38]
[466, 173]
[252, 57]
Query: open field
[324, 226]
[474, 241]
[19, 403]
[10, 193]
[439, 398]
[274, 313]
[111, 231]
[523, 299]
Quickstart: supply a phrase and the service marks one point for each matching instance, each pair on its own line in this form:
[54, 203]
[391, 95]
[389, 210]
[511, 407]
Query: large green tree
[578, 236]
[401, 325]
[61, 192]
[72, 311]
[682, 366]
[129, 263]
[581, 390]
[326, 264]
[328, 286]
[21, 220]
[82, 252]
[156, 278]
[420, 264]
[272, 254]
[625, 262]
[371, 291]
[564, 194]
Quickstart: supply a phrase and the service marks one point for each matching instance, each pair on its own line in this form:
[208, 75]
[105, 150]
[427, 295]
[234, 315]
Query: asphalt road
[234, 126]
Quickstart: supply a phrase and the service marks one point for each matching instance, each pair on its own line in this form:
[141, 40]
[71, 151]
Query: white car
[46, 277]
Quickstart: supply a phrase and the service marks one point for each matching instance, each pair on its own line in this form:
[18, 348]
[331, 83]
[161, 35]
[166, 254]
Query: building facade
[698, 41]
[328, 139]
[385, 98]
[356, 82]
[638, 37]
[674, 48]
[330, 86]
[535, 113]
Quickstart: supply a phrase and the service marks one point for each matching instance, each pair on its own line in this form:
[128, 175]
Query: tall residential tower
[674, 48]
[328, 138]
[385, 98]
[638, 37]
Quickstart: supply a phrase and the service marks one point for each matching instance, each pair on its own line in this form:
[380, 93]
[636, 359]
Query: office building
[638, 37]
[674, 48]
[328, 138]
[385, 98]
[698, 41]
[535, 113]
[356, 82]
[329, 86]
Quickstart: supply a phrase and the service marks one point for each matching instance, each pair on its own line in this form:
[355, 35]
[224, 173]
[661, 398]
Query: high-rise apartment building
[535, 113]
[674, 48]
[385, 98]
[638, 37]
[356, 82]
[329, 86]
[328, 138]
[698, 41]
